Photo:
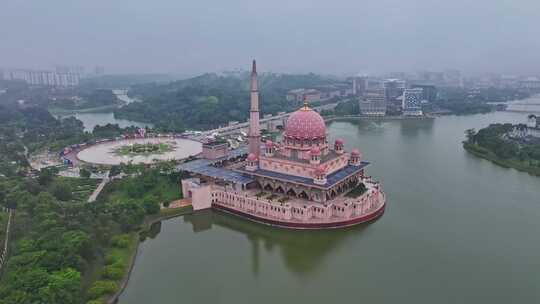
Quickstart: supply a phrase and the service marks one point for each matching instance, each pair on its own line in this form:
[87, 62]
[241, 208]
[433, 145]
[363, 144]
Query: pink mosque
[301, 182]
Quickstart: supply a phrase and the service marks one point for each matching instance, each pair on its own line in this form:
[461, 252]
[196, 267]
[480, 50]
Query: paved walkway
[96, 192]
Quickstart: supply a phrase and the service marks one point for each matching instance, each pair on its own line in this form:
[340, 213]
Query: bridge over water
[270, 123]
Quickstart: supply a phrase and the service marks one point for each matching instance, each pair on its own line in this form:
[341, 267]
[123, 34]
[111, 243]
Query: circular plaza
[139, 151]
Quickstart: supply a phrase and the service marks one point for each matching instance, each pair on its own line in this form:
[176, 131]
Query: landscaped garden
[144, 149]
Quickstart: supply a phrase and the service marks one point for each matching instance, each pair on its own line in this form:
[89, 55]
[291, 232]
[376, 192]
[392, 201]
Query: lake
[90, 120]
[458, 229]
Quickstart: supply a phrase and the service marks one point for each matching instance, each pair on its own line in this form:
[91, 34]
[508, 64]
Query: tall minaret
[254, 132]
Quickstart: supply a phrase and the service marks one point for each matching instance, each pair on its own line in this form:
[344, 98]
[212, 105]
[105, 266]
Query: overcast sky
[332, 36]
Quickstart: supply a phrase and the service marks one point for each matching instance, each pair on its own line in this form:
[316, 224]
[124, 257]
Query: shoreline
[500, 162]
[148, 222]
[377, 118]
[62, 111]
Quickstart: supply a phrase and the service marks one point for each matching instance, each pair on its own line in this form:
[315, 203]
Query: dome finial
[306, 106]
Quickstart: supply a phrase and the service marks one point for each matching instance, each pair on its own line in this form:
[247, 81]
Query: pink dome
[355, 152]
[315, 151]
[339, 141]
[305, 124]
[252, 157]
[269, 144]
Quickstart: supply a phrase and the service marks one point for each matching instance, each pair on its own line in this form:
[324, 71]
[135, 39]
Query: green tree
[32, 186]
[3, 193]
[151, 206]
[113, 272]
[470, 134]
[85, 173]
[115, 170]
[101, 288]
[129, 214]
[76, 242]
[63, 287]
[62, 191]
[46, 176]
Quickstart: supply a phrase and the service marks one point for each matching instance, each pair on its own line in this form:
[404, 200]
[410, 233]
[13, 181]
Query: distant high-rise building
[393, 88]
[373, 102]
[359, 85]
[508, 81]
[373, 83]
[412, 102]
[530, 83]
[43, 78]
[298, 96]
[429, 92]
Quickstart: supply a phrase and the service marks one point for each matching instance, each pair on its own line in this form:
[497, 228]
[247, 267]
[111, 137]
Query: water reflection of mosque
[301, 251]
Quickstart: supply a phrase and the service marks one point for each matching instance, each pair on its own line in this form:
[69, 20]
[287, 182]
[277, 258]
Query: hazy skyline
[338, 37]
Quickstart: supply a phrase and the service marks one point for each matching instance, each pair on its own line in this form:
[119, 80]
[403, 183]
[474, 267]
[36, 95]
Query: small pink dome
[339, 141]
[320, 170]
[305, 124]
[252, 157]
[355, 152]
[269, 144]
[315, 151]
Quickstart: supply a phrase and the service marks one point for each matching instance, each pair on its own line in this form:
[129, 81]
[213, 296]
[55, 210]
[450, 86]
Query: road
[234, 128]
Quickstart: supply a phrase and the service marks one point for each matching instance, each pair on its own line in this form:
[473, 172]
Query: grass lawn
[143, 149]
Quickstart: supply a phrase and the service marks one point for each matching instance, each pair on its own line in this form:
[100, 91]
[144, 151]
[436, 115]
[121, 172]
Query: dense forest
[63, 249]
[67, 251]
[493, 143]
[210, 100]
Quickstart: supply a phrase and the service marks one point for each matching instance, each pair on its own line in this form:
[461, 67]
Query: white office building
[412, 102]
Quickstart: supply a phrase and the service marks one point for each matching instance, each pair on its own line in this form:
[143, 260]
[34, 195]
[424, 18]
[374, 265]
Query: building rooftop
[222, 174]
[205, 167]
[331, 179]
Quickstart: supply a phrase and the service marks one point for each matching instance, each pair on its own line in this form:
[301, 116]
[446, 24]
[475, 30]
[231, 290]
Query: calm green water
[457, 229]
[90, 120]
